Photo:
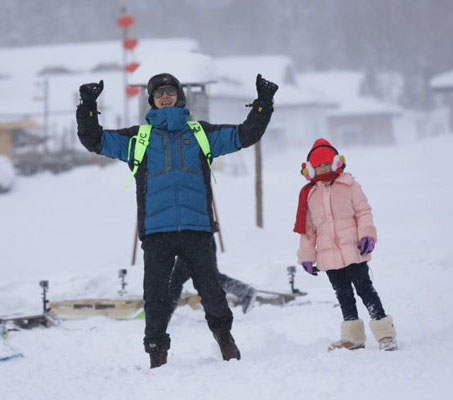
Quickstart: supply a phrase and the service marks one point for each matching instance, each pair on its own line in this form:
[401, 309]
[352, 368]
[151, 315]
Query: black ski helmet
[164, 80]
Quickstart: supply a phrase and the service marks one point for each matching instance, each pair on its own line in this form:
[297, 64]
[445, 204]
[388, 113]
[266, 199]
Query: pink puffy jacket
[338, 216]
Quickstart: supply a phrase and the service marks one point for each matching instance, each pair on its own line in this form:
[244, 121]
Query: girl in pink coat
[337, 236]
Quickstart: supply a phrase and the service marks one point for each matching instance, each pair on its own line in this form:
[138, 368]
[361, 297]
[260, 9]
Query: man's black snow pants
[160, 251]
[357, 275]
[181, 274]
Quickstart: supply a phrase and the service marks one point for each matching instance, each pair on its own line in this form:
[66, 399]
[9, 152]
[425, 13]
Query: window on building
[54, 70]
[290, 75]
[106, 67]
[349, 135]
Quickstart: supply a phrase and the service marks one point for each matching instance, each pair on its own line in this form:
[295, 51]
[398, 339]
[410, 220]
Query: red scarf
[301, 218]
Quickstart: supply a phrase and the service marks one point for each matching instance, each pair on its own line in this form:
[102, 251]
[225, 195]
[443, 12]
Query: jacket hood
[345, 178]
[169, 118]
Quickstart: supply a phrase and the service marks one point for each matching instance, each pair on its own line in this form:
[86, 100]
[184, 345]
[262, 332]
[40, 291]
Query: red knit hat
[321, 152]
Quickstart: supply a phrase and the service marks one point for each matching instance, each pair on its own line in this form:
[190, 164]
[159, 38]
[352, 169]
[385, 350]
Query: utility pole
[44, 97]
[46, 112]
[259, 185]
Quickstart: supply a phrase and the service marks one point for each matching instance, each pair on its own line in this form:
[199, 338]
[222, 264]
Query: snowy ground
[76, 230]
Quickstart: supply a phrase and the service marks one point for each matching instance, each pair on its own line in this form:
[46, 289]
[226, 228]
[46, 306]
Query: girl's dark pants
[160, 250]
[342, 281]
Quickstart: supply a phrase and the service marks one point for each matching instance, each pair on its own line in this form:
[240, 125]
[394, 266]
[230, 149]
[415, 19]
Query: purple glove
[366, 245]
[310, 268]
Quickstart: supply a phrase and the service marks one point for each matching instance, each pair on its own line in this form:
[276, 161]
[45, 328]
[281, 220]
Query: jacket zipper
[175, 188]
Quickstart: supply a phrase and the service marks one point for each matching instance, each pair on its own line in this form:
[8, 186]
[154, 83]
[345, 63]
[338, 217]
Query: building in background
[43, 81]
[81, 58]
[15, 135]
[355, 119]
[362, 122]
[442, 87]
[299, 117]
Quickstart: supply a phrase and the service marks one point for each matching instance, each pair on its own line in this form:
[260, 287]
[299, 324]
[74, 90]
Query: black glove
[266, 89]
[89, 92]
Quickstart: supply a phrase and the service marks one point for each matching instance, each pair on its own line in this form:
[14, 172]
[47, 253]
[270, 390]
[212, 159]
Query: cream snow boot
[352, 336]
[384, 332]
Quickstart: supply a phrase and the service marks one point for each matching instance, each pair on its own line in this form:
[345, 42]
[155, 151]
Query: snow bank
[6, 174]
[76, 230]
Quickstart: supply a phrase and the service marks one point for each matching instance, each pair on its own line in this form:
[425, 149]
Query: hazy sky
[406, 36]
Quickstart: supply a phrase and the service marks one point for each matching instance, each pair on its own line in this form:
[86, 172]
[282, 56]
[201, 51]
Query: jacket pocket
[159, 158]
[189, 155]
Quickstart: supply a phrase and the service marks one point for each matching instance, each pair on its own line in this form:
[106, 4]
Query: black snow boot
[227, 346]
[157, 354]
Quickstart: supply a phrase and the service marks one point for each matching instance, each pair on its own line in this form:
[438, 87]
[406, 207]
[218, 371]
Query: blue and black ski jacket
[173, 181]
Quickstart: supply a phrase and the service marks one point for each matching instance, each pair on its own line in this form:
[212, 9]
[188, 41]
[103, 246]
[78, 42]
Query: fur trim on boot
[352, 336]
[384, 332]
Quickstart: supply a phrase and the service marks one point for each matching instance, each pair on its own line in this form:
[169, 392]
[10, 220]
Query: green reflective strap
[141, 144]
[203, 142]
[201, 137]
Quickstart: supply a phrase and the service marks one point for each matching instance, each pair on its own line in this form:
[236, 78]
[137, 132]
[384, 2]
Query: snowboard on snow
[28, 321]
[24, 321]
[276, 298]
[131, 307]
[262, 297]
[126, 307]
[7, 352]
[118, 308]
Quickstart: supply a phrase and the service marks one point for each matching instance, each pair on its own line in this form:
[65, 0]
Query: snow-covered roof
[189, 68]
[442, 81]
[343, 89]
[22, 98]
[25, 95]
[362, 105]
[236, 78]
[287, 95]
[21, 90]
[243, 69]
[335, 85]
[83, 57]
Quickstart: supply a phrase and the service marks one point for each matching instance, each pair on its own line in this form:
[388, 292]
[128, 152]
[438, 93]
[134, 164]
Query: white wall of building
[292, 125]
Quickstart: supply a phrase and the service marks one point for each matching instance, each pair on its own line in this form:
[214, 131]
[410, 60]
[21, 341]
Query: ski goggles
[170, 90]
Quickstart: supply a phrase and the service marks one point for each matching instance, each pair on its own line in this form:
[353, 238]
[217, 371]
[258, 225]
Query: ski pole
[216, 218]
[134, 248]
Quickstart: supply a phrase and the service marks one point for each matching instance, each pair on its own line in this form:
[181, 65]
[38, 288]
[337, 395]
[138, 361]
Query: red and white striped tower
[129, 43]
